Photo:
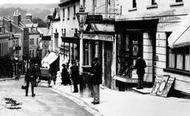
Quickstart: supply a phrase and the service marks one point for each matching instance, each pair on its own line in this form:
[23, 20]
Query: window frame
[176, 3]
[74, 12]
[63, 14]
[133, 6]
[68, 13]
[181, 50]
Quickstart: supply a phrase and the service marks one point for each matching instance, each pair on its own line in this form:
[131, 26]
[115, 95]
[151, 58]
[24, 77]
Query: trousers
[96, 93]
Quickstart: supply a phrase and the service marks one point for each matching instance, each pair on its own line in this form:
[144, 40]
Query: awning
[49, 59]
[181, 36]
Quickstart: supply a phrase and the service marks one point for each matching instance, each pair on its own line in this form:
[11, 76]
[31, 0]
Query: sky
[28, 1]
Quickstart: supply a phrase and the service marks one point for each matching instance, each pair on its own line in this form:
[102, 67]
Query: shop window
[87, 52]
[179, 58]
[123, 59]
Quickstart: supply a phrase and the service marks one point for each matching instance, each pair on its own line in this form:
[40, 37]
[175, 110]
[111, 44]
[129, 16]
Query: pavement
[84, 99]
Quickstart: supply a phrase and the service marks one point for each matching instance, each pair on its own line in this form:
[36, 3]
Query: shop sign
[98, 37]
[94, 18]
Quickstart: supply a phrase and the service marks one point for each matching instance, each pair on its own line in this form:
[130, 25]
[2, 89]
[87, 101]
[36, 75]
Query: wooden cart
[45, 75]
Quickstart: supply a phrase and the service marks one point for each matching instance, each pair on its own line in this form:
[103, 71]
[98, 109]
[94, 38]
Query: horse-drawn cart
[45, 75]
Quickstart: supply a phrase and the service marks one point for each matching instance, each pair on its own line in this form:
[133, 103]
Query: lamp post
[81, 16]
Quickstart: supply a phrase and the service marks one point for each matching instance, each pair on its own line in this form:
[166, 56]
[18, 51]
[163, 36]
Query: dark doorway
[108, 61]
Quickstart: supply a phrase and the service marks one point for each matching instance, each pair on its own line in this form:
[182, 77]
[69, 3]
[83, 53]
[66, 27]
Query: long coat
[96, 72]
[75, 73]
[140, 65]
[65, 76]
[30, 74]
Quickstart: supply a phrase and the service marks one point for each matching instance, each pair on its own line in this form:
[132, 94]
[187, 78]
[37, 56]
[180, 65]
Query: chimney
[16, 17]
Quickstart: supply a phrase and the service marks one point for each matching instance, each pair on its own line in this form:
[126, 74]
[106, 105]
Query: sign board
[94, 18]
[162, 86]
[98, 37]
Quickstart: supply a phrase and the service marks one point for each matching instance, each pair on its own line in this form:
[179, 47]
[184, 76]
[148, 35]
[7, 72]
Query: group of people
[72, 76]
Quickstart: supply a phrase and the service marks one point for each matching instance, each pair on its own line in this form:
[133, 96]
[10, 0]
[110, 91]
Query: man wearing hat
[96, 79]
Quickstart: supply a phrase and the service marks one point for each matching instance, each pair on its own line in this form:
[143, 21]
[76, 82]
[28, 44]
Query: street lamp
[81, 16]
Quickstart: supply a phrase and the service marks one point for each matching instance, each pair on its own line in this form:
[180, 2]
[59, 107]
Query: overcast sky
[28, 1]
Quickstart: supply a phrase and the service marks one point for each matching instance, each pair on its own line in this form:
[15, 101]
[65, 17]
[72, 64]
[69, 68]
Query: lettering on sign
[98, 37]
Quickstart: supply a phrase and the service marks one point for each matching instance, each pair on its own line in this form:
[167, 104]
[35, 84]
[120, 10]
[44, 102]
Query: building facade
[64, 28]
[147, 28]
[99, 37]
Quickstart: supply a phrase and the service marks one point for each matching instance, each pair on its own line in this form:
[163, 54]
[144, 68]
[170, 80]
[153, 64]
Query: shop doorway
[107, 66]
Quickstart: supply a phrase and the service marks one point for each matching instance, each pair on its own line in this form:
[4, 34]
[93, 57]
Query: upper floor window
[68, 15]
[74, 11]
[63, 14]
[153, 2]
[134, 4]
[177, 3]
[152, 5]
[179, 0]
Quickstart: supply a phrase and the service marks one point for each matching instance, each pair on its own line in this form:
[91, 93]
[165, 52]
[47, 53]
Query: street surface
[13, 102]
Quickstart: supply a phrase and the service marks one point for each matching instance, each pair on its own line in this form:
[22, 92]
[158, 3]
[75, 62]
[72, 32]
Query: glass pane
[187, 62]
[171, 60]
[179, 61]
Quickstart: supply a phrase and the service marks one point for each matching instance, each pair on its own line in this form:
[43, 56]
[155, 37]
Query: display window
[129, 47]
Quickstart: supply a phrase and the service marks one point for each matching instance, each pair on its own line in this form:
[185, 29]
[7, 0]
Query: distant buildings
[19, 39]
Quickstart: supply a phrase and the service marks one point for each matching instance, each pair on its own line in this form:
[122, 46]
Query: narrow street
[13, 102]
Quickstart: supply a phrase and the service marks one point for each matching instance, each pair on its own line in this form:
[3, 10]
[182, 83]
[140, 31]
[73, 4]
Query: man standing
[140, 66]
[96, 79]
[30, 78]
[75, 75]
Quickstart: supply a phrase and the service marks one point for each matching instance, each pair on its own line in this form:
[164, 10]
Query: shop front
[178, 56]
[134, 38]
[100, 46]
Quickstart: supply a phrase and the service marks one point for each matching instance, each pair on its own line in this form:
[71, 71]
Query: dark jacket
[75, 73]
[30, 74]
[65, 76]
[140, 65]
[96, 72]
